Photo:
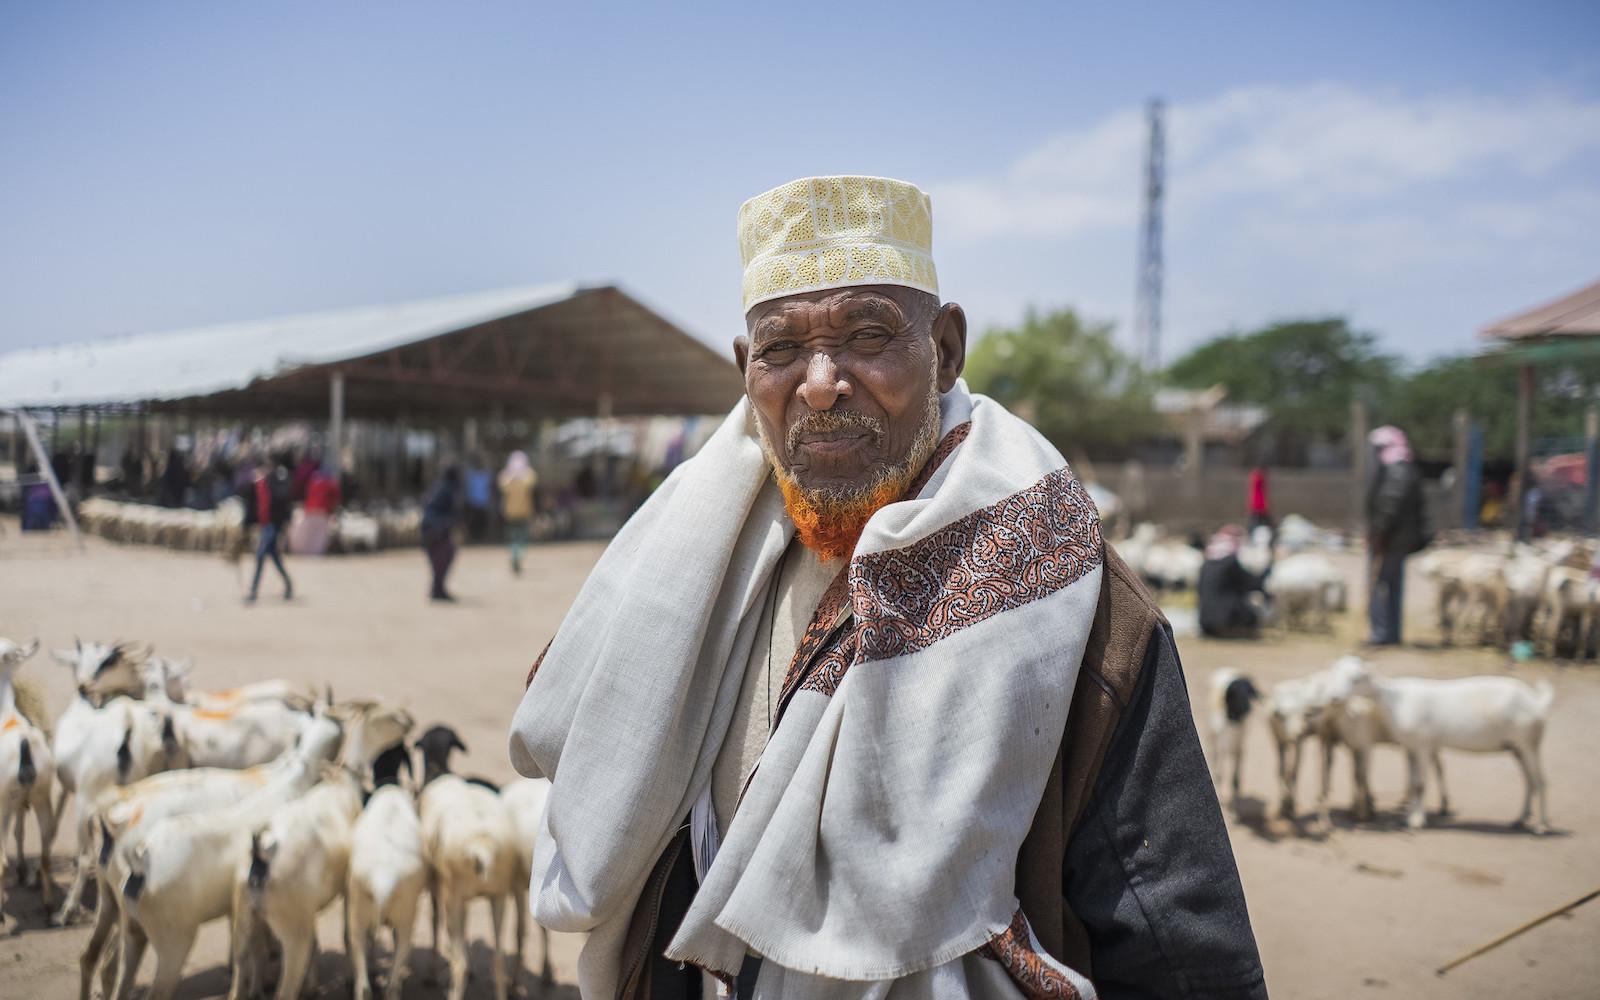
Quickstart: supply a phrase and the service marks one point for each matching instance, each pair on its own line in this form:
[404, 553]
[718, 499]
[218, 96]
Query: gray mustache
[832, 420]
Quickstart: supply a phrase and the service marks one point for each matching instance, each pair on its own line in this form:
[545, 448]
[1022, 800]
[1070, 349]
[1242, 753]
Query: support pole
[1591, 450]
[332, 461]
[49, 474]
[1461, 424]
[1472, 501]
[1358, 464]
[1524, 431]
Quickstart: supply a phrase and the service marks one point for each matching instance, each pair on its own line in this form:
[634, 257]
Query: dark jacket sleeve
[1149, 869]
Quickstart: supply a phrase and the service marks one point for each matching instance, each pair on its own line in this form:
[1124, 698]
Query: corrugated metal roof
[205, 360]
[1576, 315]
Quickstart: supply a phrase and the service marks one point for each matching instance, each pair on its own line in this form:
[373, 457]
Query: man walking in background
[270, 503]
[1396, 527]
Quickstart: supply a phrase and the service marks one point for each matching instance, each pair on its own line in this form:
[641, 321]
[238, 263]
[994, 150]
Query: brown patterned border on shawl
[1035, 974]
[1027, 546]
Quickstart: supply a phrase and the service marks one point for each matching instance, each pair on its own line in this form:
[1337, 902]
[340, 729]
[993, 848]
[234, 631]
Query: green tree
[1068, 379]
[1304, 372]
[1425, 403]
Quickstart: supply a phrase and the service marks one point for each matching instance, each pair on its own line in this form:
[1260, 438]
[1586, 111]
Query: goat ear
[180, 668]
[455, 741]
[28, 650]
[328, 691]
[65, 657]
[406, 760]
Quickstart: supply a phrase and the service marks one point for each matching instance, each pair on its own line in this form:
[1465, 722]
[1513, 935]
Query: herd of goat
[1353, 705]
[223, 528]
[1544, 595]
[260, 805]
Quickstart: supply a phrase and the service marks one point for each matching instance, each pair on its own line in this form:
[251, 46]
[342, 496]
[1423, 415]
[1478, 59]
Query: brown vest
[1124, 621]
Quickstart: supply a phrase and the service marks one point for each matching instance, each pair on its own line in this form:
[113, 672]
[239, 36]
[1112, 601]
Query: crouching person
[859, 703]
[1226, 587]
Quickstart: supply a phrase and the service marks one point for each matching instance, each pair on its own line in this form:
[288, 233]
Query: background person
[310, 535]
[272, 507]
[1396, 527]
[517, 483]
[440, 514]
[1260, 508]
[1225, 588]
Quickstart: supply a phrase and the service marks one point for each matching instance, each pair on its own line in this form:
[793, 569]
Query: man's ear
[741, 352]
[950, 340]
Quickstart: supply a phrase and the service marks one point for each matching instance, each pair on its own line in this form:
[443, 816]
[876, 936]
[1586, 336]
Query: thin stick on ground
[1508, 935]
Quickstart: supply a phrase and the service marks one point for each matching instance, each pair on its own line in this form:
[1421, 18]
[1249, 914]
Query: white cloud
[1299, 199]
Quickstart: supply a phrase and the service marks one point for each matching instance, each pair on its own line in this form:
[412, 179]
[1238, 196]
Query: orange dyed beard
[829, 526]
[830, 523]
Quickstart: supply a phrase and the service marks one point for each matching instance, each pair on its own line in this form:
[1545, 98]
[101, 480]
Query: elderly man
[859, 704]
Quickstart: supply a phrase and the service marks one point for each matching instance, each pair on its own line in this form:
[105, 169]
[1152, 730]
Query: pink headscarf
[516, 464]
[1225, 542]
[1391, 444]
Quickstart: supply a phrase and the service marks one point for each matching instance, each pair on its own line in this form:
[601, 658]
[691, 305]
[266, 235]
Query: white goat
[1570, 596]
[169, 679]
[127, 813]
[1476, 714]
[297, 863]
[387, 875]
[27, 772]
[1295, 714]
[235, 734]
[178, 873]
[525, 798]
[100, 744]
[1232, 694]
[467, 839]
[1305, 587]
[1173, 565]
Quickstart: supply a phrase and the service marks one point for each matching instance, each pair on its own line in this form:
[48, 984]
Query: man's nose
[822, 386]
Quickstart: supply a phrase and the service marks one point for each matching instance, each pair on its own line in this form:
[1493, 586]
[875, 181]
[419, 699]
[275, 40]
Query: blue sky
[1423, 168]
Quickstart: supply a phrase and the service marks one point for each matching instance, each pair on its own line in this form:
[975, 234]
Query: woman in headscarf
[1396, 527]
[1225, 588]
[517, 481]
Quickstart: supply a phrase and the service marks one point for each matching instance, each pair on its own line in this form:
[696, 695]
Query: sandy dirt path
[1364, 911]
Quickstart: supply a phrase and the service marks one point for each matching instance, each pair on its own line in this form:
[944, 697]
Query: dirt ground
[1368, 910]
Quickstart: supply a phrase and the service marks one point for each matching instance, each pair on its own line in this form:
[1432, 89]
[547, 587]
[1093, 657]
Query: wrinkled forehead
[836, 309]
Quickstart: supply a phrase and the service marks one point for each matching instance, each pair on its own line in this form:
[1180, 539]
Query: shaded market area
[380, 396]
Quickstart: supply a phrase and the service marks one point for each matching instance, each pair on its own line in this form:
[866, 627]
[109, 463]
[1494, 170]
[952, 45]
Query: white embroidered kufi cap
[835, 232]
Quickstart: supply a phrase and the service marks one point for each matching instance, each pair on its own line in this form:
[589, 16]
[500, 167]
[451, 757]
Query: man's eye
[871, 335]
[783, 350]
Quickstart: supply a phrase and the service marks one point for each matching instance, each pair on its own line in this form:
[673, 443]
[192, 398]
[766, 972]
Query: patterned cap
[835, 232]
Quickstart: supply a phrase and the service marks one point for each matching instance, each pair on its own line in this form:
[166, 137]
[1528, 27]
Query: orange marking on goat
[11, 723]
[215, 714]
[231, 694]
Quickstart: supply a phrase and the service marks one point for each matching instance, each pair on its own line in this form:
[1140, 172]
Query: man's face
[841, 380]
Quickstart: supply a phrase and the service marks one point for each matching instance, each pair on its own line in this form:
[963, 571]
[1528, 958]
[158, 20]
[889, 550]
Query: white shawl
[874, 851]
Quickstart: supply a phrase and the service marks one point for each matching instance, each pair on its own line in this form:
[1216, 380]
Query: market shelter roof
[1576, 315]
[544, 351]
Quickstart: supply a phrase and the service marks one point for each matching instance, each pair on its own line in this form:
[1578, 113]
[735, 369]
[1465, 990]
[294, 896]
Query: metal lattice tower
[1147, 301]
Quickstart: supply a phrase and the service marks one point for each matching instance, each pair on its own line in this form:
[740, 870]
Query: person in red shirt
[1260, 510]
[309, 536]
